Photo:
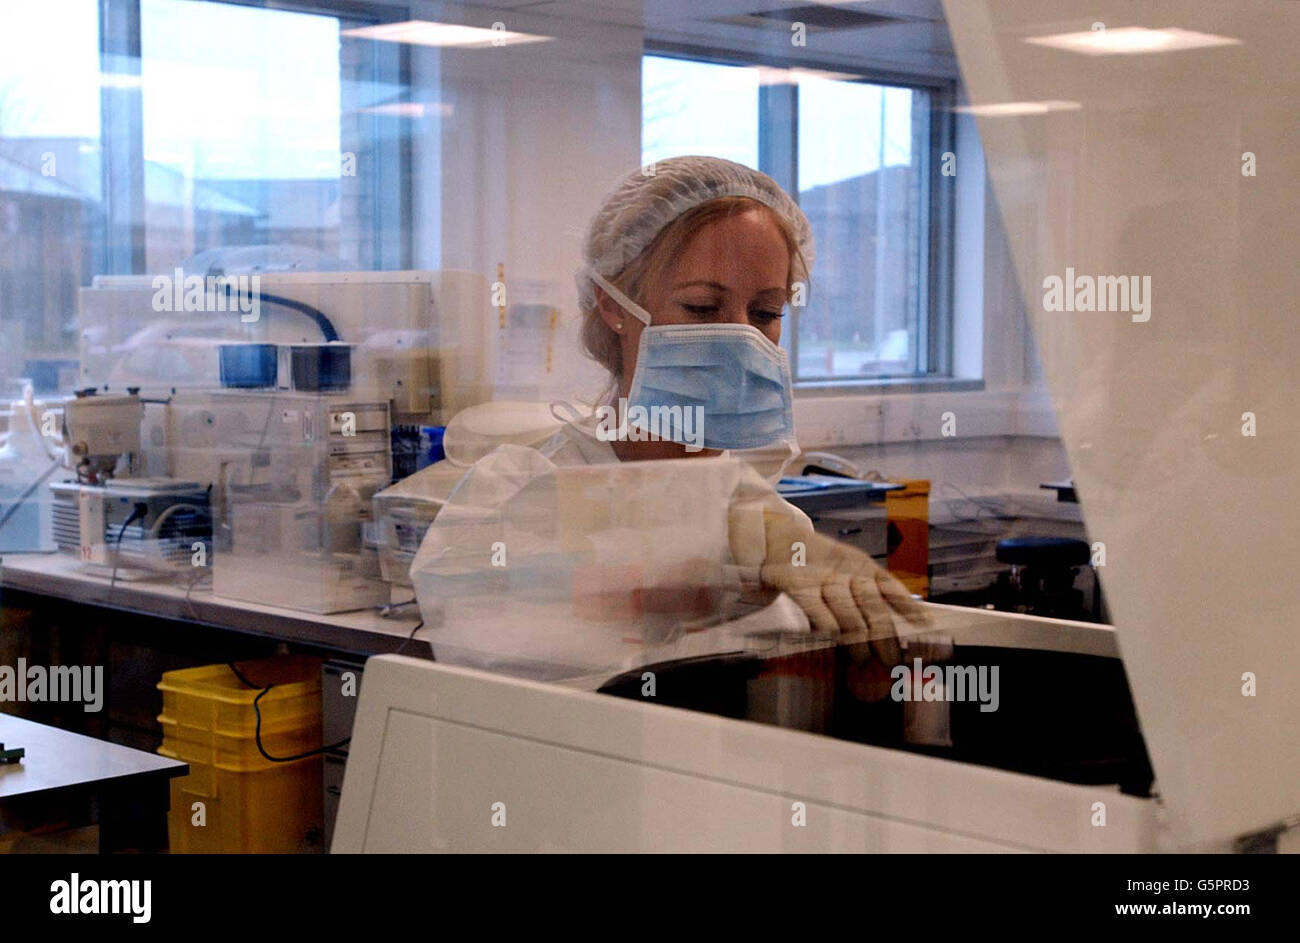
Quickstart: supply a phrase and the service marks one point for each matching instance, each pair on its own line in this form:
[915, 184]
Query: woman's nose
[734, 314]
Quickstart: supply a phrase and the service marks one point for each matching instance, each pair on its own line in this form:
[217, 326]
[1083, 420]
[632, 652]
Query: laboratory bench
[54, 612]
[57, 576]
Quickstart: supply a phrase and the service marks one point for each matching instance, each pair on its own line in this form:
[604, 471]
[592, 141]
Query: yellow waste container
[234, 800]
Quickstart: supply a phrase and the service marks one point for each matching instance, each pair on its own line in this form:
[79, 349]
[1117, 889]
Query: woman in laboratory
[690, 265]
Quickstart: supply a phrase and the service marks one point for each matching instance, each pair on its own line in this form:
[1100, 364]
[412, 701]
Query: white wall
[531, 139]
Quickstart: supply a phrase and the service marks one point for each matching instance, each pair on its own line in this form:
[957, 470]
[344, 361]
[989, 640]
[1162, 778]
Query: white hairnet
[644, 203]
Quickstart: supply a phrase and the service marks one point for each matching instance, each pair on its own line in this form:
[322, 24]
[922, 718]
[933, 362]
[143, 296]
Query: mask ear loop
[571, 413]
[623, 301]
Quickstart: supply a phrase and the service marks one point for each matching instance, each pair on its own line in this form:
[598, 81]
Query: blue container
[431, 446]
[321, 368]
[248, 366]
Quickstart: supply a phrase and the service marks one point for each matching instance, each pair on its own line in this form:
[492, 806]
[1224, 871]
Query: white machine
[443, 757]
[101, 434]
[292, 478]
[133, 527]
[419, 339]
[109, 517]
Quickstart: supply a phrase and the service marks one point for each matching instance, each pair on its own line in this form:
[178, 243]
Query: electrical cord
[987, 505]
[257, 732]
[156, 531]
[390, 609]
[198, 576]
[410, 638]
[257, 710]
[261, 438]
[137, 513]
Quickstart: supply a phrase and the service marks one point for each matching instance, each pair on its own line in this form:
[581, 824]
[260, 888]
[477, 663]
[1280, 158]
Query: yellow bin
[234, 800]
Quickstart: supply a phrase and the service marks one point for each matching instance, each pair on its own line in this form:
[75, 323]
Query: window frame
[779, 157]
[124, 230]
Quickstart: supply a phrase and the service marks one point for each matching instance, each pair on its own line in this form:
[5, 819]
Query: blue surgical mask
[734, 381]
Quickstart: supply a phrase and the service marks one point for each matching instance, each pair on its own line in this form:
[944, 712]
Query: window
[136, 134]
[49, 187]
[857, 155]
[242, 139]
[698, 108]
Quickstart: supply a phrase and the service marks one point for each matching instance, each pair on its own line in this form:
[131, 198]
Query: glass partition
[749, 404]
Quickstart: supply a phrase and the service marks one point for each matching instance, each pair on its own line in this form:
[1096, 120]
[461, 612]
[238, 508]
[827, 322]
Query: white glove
[839, 587]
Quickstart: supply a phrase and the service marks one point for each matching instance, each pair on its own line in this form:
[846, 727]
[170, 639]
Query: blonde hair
[601, 342]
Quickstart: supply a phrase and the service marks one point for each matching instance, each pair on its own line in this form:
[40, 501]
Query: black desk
[66, 777]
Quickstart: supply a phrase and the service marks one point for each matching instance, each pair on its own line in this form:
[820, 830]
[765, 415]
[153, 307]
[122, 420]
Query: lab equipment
[403, 512]
[248, 366]
[308, 368]
[293, 475]
[431, 353]
[109, 518]
[415, 448]
[132, 527]
[1042, 576]
[828, 463]
[755, 725]
[298, 441]
[319, 368]
[851, 511]
[645, 202]
[101, 434]
[431, 449]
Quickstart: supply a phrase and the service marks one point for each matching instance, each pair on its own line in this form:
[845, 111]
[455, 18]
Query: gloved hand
[840, 588]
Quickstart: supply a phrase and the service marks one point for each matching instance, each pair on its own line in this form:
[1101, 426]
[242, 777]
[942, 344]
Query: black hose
[324, 323]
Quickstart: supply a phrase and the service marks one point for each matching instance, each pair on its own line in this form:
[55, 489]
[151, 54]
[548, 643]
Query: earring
[618, 326]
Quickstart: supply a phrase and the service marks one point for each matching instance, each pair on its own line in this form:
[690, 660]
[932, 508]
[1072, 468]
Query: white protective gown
[495, 615]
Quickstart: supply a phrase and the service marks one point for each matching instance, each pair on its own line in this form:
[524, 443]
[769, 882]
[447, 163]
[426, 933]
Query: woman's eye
[712, 312]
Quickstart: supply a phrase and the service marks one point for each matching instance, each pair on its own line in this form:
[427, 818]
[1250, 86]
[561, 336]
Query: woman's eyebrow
[774, 290]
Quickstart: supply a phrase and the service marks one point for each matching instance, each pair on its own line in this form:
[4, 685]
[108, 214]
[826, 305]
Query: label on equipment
[90, 526]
